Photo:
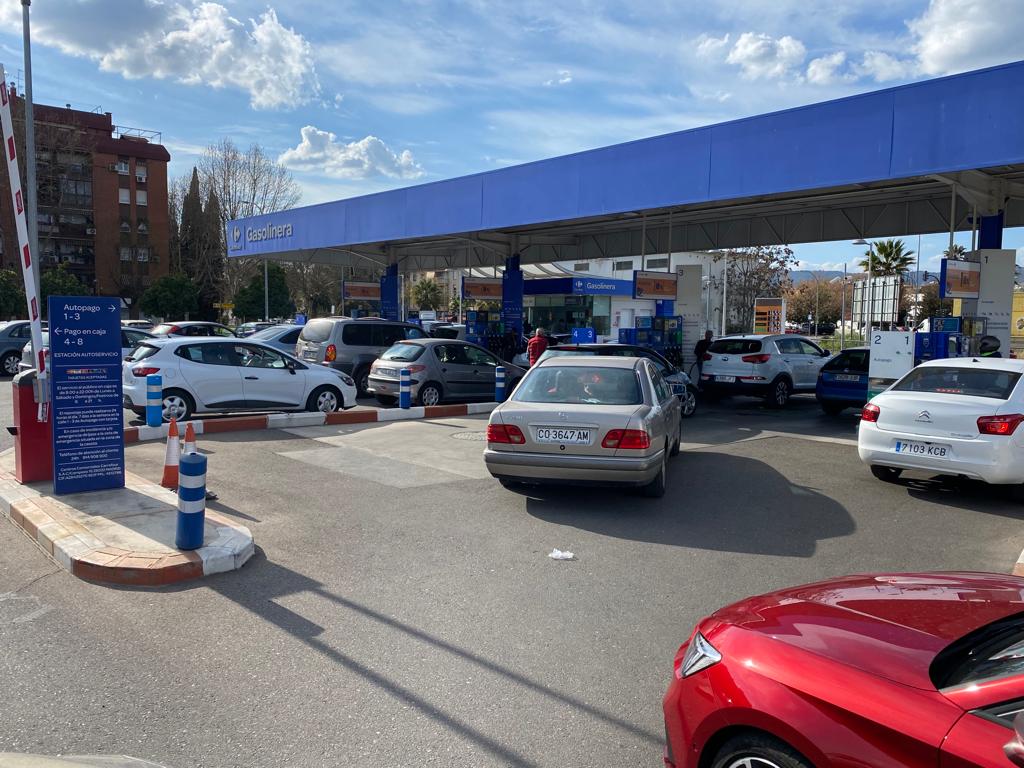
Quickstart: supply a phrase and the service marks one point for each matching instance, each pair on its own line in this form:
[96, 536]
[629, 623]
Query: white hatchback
[211, 375]
[959, 417]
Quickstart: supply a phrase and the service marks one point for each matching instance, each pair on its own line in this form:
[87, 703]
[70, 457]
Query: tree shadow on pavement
[714, 501]
[262, 583]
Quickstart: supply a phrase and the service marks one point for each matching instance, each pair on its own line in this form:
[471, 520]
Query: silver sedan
[586, 420]
[442, 369]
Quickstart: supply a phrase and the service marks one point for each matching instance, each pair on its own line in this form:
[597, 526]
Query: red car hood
[890, 625]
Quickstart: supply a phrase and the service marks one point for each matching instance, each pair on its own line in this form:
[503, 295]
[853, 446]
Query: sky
[358, 97]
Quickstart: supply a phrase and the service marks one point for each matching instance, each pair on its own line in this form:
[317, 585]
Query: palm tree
[955, 252]
[887, 257]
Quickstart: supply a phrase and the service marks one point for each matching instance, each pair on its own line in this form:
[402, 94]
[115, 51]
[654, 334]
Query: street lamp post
[266, 280]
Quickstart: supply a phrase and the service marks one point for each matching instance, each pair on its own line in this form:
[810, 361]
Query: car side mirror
[826, 353]
[290, 366]
[1014, 749]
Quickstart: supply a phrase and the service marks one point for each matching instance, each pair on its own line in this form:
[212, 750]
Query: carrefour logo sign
[266, 232]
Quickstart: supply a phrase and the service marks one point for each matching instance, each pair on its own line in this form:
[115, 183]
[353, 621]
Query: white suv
[772, 367]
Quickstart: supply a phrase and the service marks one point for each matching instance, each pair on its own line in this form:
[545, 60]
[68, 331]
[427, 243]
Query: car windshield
[580, 384]
[445, 332]
[851, 360]
[317, 330]
[268, 333]
[403, 353]
[949, 380]
[143, 351]
[735, 346]
[993, 652]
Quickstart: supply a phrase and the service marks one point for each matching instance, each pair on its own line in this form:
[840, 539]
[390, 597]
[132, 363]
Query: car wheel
[325, 400]
[888, 474]
[832, 409]
[9, 363]
[386, 399]
[430, 393]
[656, 488]
[178, 405]
[778, 394]
[688, 401]
[362, 378]
[758, 750]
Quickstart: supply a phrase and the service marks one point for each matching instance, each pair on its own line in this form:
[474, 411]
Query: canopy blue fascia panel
[968, 121]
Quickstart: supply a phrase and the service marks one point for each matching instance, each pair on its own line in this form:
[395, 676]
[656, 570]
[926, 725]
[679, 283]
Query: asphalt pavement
[402, 608]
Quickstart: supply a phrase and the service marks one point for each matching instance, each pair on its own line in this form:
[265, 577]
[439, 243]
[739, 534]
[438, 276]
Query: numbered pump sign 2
[85, 393]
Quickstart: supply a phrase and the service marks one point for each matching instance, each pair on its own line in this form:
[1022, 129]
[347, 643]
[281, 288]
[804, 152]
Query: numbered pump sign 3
[85, 393]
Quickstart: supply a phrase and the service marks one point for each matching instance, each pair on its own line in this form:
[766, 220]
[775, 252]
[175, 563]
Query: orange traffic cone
[170, 478]
[190, 440]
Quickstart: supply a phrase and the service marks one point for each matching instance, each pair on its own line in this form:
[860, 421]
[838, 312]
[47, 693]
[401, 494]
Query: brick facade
[102, 194]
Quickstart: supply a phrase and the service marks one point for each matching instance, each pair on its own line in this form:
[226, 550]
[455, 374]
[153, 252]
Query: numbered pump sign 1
[85, 393]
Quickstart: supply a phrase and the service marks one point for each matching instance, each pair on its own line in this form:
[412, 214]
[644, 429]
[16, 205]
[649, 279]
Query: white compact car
[959, 417]
[772, 367]
[212, 375]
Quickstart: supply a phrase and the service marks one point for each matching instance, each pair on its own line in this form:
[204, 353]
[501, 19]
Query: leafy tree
[759, 272]
[201, 242]
[12, 294]
[887, 257]
[427, 294]
[59, 282]
[249, 300]
[171, 297]
[818, 297]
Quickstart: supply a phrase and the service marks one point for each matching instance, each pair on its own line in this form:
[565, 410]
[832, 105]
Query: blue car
[843, 381]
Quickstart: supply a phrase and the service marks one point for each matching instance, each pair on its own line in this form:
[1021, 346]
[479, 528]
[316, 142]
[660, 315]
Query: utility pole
[30, 147]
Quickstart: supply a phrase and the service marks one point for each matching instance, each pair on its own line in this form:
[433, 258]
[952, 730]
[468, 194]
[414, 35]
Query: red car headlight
[700, 654]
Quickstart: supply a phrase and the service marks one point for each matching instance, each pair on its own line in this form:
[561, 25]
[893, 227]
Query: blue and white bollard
[499, 384]
[405, 388]
[154, 400]
[191, 501]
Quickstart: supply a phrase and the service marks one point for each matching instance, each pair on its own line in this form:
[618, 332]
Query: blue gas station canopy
[917, 158]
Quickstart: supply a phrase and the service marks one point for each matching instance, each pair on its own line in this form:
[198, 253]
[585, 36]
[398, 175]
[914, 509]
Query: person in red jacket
[536, 346]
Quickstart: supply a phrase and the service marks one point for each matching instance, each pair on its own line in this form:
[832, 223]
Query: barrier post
[154, 400]
[499, 384]
[191, 501]
[405, 388]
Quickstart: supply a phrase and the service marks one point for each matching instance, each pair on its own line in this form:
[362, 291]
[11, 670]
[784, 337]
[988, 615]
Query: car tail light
[505, 433]
[870, 412]
[762, 358]
[630, 439]
[999, 425]
[331, 354]
[707, 356]
[144, 371]
[700, 654]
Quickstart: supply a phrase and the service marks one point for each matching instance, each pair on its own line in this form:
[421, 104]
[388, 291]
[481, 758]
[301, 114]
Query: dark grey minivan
[351, 345]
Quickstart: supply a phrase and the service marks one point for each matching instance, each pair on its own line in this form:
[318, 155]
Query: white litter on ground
[557, 554]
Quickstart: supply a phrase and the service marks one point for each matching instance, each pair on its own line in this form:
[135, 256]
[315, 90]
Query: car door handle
[252, 378]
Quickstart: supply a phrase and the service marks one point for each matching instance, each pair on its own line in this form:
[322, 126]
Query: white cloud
[826, 70]
[763, 56]
[957, 35]
[709, 47]
[321, 151]
[196, 44]
[564, 78]
[883, 67]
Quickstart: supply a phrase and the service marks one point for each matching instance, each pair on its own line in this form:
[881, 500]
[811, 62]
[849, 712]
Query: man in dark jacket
[700, 350]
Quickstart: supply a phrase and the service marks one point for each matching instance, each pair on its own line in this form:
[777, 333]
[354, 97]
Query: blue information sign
[85, 393]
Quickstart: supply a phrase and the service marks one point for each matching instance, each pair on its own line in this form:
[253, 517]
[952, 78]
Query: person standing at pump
[700, 350]
[536, 346]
